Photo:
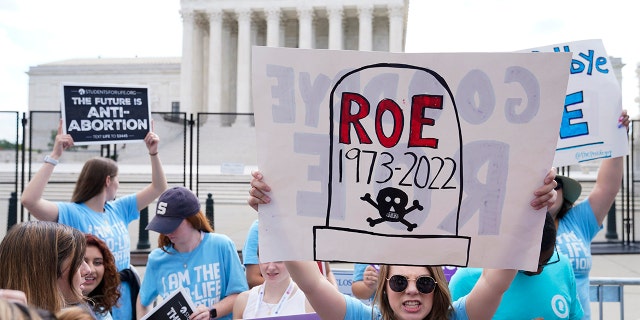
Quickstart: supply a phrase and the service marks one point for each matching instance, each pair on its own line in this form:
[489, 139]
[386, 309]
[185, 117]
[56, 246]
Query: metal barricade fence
[605, 289]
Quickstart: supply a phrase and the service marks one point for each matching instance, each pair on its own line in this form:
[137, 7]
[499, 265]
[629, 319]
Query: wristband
[153, 154]
[52, 161]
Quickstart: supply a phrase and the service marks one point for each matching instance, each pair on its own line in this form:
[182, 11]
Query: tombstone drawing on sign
[383, 140]
[449, 148]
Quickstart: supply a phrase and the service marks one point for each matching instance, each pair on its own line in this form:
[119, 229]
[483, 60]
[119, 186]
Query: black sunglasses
[399, 283]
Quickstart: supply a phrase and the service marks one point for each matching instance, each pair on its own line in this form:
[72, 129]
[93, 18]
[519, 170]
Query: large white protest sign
[103, 114]
[589, 129]
[405, 158]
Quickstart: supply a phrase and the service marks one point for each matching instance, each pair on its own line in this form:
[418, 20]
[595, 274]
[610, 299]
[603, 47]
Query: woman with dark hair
[102, 284]
[579, 223]
[191, 256]
[45, 260]
[94, 208]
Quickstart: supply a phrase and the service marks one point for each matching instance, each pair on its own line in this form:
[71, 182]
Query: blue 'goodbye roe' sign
[95, 114]
[592, 105]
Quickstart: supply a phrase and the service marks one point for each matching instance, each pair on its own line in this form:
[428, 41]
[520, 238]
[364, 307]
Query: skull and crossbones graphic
[392, 207]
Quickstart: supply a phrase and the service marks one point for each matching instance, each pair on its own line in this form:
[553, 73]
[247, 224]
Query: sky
[34, 32]
[512, 25]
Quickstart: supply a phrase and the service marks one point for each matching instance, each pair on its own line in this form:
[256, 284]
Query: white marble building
[162, 75]
[218, 35]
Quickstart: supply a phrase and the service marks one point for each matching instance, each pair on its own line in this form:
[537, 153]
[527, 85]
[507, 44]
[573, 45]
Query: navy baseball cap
[174, 205]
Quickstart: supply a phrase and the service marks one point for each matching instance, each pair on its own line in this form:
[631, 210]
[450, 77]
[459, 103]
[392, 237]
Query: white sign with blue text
[410, 159]
[589, 129]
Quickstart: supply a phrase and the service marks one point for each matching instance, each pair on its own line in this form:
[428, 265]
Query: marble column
[305, 27]
[273, 27]
[365, 21]
[243, 90]
[215, 61]
[197, 82]
[396, 18]
[186, 66]
[335, 27]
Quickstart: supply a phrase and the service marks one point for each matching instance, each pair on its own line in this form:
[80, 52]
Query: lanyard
[285, 296]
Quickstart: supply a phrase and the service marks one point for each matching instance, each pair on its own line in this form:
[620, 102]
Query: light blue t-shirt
[250, 249]
[576, 230]
[213, 271]
[112, 227]
[549, 295]
[358, 271]
[357, 310]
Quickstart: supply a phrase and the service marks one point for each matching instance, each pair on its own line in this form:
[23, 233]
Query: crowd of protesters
[73, 261]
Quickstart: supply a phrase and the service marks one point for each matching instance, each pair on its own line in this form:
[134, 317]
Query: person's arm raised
[323, 296]
[31, 197]
[158, 179]
[485, 297]
[608, 181]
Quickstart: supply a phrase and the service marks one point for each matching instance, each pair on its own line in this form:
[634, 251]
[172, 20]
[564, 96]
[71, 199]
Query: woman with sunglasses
[578, 224]
[403, 292]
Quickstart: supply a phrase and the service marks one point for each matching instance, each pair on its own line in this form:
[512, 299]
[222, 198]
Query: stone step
[225, 188]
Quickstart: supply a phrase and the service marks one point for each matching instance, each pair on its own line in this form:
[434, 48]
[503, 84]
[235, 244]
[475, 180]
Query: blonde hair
[32, 255]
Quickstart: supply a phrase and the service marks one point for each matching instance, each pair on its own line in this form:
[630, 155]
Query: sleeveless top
[255, 308]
